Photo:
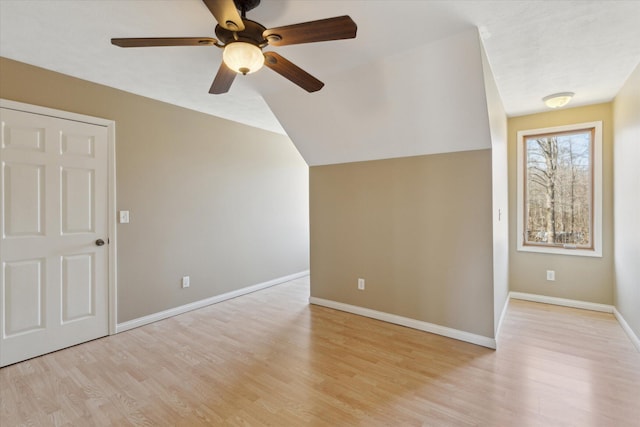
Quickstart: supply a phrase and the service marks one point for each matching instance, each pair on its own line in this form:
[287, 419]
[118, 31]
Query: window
[559, 190]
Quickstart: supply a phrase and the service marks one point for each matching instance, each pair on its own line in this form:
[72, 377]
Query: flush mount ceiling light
[558, 100]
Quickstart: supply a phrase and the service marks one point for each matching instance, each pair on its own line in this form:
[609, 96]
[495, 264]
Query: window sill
[594, 253]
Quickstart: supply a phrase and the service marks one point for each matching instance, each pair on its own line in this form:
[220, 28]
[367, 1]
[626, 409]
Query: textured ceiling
[534, 47]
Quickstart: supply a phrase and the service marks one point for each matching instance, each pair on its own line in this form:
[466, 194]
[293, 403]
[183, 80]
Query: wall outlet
[551, 275]
[185, 282]
[361, 284]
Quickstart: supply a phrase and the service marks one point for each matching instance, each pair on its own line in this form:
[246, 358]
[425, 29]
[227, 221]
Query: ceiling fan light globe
[244, 58]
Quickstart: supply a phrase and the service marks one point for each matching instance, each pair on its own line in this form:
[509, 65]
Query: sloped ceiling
[430, 99]
[534, 47]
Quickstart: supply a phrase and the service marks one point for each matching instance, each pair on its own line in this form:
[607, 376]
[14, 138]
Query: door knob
[99, 242]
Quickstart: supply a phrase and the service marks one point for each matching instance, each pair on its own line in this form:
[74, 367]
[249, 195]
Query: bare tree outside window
[558, 189]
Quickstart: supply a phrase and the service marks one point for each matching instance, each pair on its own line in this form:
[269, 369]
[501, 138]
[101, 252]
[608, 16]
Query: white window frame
[597, 192]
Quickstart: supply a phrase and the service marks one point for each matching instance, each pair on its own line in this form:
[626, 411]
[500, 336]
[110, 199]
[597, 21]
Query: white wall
[426, 100]
[500, 193]
[626, 193]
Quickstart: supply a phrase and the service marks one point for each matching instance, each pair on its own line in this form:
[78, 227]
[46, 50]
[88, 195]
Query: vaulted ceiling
[535, 48]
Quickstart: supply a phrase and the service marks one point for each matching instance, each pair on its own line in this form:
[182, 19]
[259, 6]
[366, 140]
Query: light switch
[124, 217]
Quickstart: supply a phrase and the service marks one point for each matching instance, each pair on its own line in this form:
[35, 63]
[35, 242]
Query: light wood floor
[269, 358]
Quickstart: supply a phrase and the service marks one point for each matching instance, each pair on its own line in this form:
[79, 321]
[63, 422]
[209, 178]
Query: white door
[54, 283]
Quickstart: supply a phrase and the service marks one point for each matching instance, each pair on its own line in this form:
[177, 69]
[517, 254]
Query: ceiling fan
[243, 40]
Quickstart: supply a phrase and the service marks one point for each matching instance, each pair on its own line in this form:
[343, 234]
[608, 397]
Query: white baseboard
[632, 336]
[410, 323]
[145, 320]
[585, 305]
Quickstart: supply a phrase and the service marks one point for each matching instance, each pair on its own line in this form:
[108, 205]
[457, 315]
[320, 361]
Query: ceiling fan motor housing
[252, 33]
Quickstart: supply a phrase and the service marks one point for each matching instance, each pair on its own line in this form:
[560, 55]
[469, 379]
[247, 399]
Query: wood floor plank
[270, 358]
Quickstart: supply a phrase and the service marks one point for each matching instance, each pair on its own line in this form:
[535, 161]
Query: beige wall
[627, 201]
[579, 278]
[417, 229]
[224, 203]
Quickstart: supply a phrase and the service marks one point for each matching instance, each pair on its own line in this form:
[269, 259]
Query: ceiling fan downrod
[246, 5]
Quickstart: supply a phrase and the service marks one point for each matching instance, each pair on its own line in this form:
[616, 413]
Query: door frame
[112, 259]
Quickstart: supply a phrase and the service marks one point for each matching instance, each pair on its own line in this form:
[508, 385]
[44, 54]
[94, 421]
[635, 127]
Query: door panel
[26, 137]
[77, 194]
[24, 292]
[78, 295]
[78, 145]
[24, 197]
[54, 208]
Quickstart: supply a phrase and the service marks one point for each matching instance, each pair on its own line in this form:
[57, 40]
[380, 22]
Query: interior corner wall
[579, 278]
[417, 229]
[224, 203]
[626, 193]
[500, 193]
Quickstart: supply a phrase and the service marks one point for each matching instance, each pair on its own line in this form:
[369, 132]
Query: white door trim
[111, 191]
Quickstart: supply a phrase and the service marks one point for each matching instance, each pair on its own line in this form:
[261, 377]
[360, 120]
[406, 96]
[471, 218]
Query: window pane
[558, 186]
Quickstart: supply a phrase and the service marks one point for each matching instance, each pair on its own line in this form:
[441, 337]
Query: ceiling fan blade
[223, 80]
[290, 71]
[226, 14]
[338, 28]
[165, 41]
